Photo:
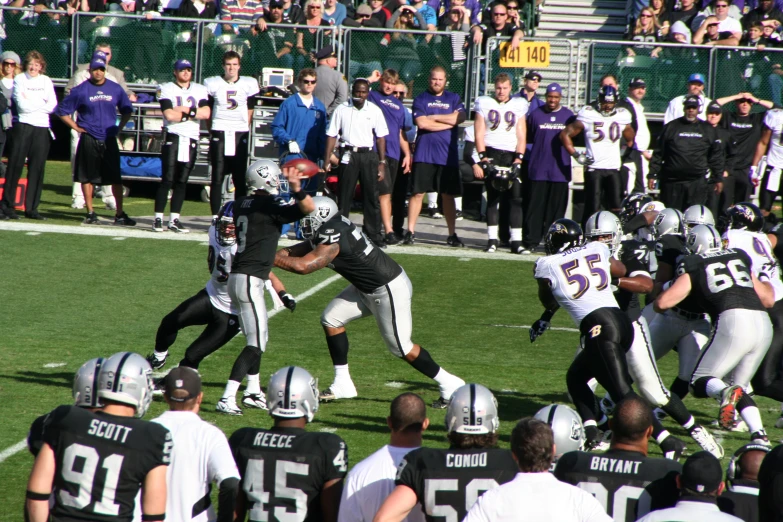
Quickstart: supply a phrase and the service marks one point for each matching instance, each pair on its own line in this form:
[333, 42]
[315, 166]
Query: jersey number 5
[232, 103]
[582, 281]
[253, 485]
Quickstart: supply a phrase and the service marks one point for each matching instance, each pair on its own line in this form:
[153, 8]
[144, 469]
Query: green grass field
[68, 298]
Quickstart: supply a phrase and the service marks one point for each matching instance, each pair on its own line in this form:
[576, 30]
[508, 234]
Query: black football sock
[680, 388]
[700, 387]
[248, 359]
[677, 411]
[338, 348]
[425, 364]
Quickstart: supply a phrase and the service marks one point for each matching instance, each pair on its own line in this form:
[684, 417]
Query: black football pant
[601, 185]
[768, 380]
[32, 144]
[512, 196]
[400, 193]
[197, 310]
[174, 172]
[544, 202]
[362, 167]
[683, 194]
[235, 165]
[607, 333]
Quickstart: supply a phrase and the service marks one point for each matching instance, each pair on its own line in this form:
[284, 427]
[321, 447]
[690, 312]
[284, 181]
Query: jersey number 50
[614, 131]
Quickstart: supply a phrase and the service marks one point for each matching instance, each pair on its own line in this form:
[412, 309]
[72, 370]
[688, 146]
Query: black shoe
[3, 216]
[91, 219]
[454, 241]
[392, 239]
[124, 221]
[672, 447]
[156, 363]
[157, 225]
[492, 246]
[177, 226]
[10, 214]
[34, 215]
[379, 243]
[410, 238]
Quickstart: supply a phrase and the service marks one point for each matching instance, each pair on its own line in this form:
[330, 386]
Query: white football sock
[159, 356]
[443, 377]
[341, 373]
[752, 418]
[715, 388]
[492, 231]
[689, 423]
[159, 215]
[516, 234]
[593, 384]
[231, 391]
[253, 384]
[174, 216]
[458, 203]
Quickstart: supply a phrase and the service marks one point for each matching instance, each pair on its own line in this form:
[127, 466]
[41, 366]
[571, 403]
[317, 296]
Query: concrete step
[557, 25]
[618, 4]
[576, 12]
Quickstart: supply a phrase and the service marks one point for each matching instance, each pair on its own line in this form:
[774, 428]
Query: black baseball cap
[637, 82]
[701, 473]
[183, 378]
[275, 3]
[714, 108]
[691, 101]
[325, 52]
[534, 75]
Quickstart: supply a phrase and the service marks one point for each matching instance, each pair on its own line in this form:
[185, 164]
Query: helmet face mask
[225, 231]
[126, 378]
[562, 235]
[704, 239]
[325, 209]
[292, 393]
[501, 178]
[473, 410]
[607, 99]
[266, 175]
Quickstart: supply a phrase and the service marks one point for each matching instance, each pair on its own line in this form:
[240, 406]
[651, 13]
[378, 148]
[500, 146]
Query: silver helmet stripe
[116, 383]
[94, 396]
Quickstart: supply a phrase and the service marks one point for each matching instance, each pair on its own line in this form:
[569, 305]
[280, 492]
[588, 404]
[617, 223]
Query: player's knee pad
[330, 321]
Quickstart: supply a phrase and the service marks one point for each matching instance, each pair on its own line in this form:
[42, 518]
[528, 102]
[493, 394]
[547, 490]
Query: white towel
[275, 298]
[230, 143]
[773, 182]
[183, 149]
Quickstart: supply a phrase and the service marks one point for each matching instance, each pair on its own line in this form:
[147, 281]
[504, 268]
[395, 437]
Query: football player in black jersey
[741, 496]
[605, 227]
[618, 478]
[379, 287]
[94, 463]
[724, 287]
[258, 219]
[447, 482]
[287, 472]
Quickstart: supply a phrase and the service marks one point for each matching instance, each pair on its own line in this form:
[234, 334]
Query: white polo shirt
[201, 456]
[690, 511]
[536, 496]
[358, 128]
[369, 483]
[675, 110]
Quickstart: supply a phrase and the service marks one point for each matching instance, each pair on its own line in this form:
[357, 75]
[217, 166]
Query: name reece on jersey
[273, 440]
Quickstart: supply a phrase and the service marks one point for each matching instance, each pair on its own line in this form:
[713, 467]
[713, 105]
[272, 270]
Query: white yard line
[527, 327]
[22, 444]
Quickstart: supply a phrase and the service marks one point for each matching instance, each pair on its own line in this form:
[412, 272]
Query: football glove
[538, 329]
[487, 167]
[516, 171]
[288, 300]
[583, 159]
[293, 147]
[755, 176]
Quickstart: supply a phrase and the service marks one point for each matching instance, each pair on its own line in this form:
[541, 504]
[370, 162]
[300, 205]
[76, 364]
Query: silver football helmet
[473, 410]
[126, 377]
[325, 209]
[265, 175]
[703, 239]
[566, 425]
[669, 221]
[85, 384]
[606, 228]
[292, 393]
[698, 215]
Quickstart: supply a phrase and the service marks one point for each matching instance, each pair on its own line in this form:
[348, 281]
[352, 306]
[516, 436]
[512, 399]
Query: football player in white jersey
[603, 130]
[744, 224]
[232, 98]
[500, 131]
[212, 306]
[579, 277]
[771, 145]
[183, 104]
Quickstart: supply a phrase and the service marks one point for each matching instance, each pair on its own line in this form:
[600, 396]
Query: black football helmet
[742, 216]
[632, 205]
[502, 178]
[562, 235]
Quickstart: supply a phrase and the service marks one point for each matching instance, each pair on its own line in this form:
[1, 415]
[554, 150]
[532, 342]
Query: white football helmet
[265, 175]
[698, 215]
[292, 393]
[704, 239]
[472, 410]
[325, 209]
[126, 377]
[606, 228]
[85, 384]
[566, 425]
[669, 221]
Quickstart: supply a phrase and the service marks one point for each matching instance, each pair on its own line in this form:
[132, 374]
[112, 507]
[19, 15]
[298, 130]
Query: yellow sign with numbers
[528, 54]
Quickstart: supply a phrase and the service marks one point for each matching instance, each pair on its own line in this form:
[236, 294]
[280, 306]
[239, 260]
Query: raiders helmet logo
[323, 212]
[262, 170]
[576, 430]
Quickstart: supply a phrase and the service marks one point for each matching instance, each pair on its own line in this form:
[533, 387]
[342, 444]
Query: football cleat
[607, 406]
[440, 404]
[156, 362]
[459, 215]
[228, 406]
[706, 441]
[124, 221]
[392, 239]
[448, 389]
[91, 219]
[158, 386]
[760, 437]
[157, 225]
[434, 214]
[492, 246]
[344, 390]
[177, 226]
[659, 414]
[454, 241]
[600, 442]
[409, 239]
[254, 400]
[673, 448]
[728, 406]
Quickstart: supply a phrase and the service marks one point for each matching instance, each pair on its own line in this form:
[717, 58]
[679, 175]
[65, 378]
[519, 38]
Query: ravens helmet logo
[559, 228]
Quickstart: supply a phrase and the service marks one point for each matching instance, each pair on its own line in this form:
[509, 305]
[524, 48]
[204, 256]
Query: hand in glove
[755, 176]
[288, 300]
[538, 329]
[293, 147]
[582, 158]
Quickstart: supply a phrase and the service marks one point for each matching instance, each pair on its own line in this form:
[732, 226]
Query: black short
[97, 161]
[386, 185]
[428, 177]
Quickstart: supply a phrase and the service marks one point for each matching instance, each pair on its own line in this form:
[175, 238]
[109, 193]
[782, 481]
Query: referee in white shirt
[535, 494]
[372, 480]
[360, 125]
[201, 455]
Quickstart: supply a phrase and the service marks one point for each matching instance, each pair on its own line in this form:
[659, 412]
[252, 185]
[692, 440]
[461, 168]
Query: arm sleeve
[165, 104]
[227, 497]
[381, 129]
[51, 97]
[715, 158]
[670, 111]
[334, 125]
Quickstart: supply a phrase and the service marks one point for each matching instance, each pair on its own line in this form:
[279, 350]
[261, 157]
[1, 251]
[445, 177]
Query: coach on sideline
[201, 454]
[372, 480]
[98, 155]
